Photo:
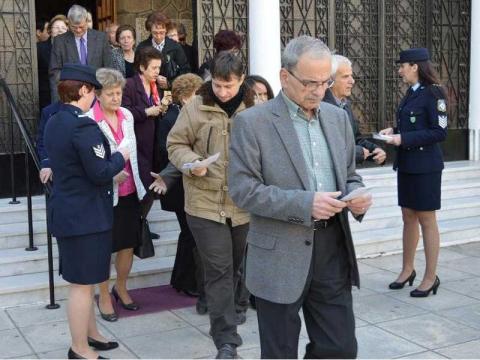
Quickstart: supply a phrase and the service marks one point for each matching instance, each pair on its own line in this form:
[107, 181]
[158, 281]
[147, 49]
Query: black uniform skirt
[126, 223]
[85, 259]
[421, 192]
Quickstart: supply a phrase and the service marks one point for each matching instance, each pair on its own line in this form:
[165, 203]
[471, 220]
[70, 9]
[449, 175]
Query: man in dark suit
[338, 95]
[290, 160]
[80, 45]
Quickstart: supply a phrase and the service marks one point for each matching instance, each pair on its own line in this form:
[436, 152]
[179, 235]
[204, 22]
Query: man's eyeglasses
[312, 85]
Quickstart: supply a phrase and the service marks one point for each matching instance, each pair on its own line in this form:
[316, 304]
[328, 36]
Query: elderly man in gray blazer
[292, 160]
[80, 45]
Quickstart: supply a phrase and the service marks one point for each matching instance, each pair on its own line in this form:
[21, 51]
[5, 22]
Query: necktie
[154, 92]
[83, 52]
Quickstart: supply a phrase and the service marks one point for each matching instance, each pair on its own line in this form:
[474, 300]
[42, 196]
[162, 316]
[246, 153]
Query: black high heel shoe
[107, 317]
[73, 355]
[425, 293]
[131, 306]
[102, 346]
[399, 285]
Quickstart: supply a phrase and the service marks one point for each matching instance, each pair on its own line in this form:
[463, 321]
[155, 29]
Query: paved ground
[390, 324]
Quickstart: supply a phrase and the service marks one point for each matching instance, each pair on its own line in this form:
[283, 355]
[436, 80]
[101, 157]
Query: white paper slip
[203, 163]
[378, 136]
[355, 193]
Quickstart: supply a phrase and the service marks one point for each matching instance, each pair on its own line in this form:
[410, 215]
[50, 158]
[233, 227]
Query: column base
[474, 144]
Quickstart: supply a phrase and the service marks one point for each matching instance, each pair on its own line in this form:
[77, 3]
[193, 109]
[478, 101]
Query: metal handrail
[30, 151]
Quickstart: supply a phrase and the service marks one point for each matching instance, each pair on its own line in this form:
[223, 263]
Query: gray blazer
[268, 178]
[64, 50]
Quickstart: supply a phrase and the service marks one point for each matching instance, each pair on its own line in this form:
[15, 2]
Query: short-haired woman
[124, 56]
[80, 210]
[218, 226]
[116, 123]
[141, 96]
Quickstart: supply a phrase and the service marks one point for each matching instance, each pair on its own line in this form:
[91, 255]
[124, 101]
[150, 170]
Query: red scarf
[154, 92]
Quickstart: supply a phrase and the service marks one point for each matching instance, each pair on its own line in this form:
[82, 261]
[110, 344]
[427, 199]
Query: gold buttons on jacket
[222, 213]
[224, 132]
[225, 188]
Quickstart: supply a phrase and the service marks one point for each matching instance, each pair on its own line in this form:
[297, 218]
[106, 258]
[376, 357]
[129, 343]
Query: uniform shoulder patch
[442, 121]
[99, 151]
[441, 105]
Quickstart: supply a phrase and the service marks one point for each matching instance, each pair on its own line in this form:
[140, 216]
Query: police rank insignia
[99, 151]
[441, 105]
[442, 121]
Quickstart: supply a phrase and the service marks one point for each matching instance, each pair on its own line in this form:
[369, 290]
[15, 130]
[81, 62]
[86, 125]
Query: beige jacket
[201, 130]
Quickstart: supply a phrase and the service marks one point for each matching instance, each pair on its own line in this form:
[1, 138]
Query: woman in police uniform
[80, 211]
[421, 126]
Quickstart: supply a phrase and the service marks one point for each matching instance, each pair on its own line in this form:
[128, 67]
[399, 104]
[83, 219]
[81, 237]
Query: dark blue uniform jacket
[83, 167]
[422, 123]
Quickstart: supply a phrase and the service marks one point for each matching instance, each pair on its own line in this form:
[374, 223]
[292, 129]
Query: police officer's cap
[80, 72]
[414, 55]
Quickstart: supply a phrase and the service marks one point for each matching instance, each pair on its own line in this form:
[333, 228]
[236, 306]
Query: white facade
[264, 51]
[474, 100]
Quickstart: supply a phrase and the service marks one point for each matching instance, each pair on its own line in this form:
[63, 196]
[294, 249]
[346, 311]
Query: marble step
[15, 235]
[17, 261]
[374, 242]
[32, 288]
[391, 216]
[456, 170]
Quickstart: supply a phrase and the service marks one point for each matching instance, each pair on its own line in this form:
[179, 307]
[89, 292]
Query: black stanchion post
[31, 246]
[12, 161]
[51, 282]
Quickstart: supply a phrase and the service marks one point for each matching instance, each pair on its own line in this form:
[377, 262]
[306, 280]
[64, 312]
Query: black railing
[29, 152]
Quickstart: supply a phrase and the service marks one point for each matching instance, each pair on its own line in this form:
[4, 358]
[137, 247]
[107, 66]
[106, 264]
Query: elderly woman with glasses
[116, 124]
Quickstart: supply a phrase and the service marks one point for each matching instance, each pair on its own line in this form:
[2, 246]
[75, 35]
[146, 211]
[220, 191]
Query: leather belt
[323, 224]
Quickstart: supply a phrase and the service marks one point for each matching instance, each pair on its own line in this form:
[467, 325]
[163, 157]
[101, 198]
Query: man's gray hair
[338, 60]
[77, 14]
[109, 78]
[301, 45]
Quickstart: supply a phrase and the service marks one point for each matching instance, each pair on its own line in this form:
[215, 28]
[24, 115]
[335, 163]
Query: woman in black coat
[80, 210]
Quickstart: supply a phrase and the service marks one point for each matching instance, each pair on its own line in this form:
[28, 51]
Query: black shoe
[201, 306]
[107, 317]
[227, 351]
[73, 355]
[253, 304]
[131, 306]
[425, 293]
[154, 236]
[240, 317]
[191, 293]
[399, 285]
[102, 346]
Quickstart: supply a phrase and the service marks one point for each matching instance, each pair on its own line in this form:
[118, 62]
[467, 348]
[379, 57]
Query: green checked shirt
[314, 146]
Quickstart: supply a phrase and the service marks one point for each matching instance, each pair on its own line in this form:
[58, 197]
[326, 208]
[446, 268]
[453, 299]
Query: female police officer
[80, 210]
[421, 126]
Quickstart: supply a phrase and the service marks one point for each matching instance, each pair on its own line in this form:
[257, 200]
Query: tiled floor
[390, 324]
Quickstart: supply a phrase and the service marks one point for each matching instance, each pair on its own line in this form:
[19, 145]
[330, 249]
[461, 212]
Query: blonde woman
[116, 124]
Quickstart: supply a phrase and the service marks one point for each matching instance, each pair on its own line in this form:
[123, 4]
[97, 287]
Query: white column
[264, 40]
[474, 103]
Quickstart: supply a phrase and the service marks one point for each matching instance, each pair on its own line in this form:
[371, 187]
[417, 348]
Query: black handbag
[145, 249]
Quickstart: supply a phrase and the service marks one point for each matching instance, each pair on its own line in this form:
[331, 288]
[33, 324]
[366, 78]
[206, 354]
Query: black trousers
[221, 249]
[187, 273]
[326, 303]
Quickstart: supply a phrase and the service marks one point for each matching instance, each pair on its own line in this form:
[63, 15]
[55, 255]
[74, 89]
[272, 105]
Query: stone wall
[134, 12]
